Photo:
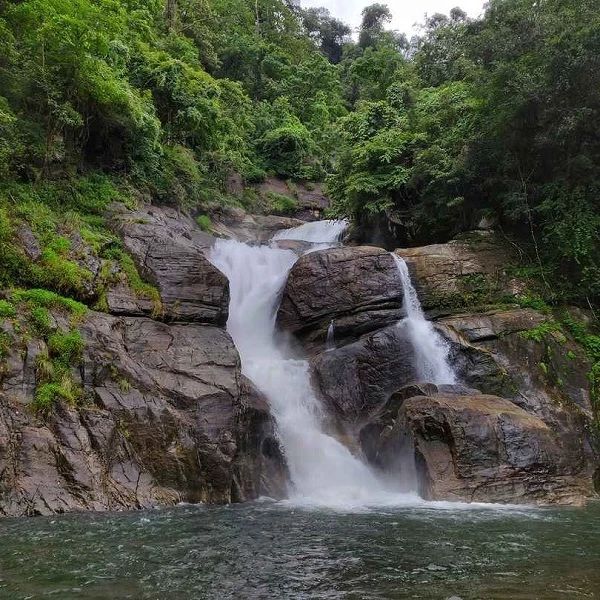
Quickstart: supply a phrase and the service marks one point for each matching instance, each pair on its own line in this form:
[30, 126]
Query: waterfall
[316, 232]
[330, 342]
[430, 349]
[322, 470]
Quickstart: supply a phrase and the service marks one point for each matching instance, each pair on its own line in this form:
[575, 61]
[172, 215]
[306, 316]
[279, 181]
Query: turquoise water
[267, 551]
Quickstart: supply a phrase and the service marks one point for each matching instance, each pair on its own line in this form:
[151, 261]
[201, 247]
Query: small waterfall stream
[322, 470]
[330, 341]
[430, 349]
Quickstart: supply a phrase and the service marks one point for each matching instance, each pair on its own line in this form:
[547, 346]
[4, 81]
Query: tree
[329, 33]
[374, 18]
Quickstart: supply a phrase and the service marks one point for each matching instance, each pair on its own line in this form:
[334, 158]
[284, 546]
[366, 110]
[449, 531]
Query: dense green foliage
[496, 117]
[165, 100]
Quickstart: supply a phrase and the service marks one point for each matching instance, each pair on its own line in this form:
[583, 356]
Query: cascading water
[330, 341]
[322, 470]
[430, 349]
[323, 233]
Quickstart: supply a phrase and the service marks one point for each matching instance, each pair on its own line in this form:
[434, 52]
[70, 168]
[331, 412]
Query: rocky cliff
[141, 402]
[518, 428]
[153, 410]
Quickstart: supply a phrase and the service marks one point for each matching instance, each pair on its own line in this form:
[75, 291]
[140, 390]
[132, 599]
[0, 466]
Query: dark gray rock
[235, 223]
[373, 433]
[121, 300]
[29, 242]
[358, 288]
[169, 250]
[87, 258]
[539, 372]
[484, 448]
[354, 381]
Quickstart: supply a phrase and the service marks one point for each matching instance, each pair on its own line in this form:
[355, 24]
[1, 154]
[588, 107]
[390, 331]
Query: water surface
[273, 551]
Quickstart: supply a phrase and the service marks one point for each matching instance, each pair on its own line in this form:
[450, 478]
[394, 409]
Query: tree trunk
[171, 13]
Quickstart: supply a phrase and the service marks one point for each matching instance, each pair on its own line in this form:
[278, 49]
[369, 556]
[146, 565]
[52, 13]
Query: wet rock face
[538, 372]
[484, 448]
[475, 448]
[540, 396]
[169, 250]
[355, 380]
[444, 273]
[357, 287]
[167, 418]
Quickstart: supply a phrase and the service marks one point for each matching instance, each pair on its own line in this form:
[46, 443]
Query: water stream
[430, 349]
[330, 341]
[322, 470]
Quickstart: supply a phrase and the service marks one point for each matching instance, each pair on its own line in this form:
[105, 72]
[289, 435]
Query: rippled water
[267, 551]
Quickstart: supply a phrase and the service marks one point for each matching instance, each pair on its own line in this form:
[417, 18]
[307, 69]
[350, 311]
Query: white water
[323, 471]
[430, 349]
[316, 232]
[330, 342]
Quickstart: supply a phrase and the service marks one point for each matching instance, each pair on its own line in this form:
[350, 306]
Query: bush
[280, 204]
[7, 310]
[204, 223]
[287, 149]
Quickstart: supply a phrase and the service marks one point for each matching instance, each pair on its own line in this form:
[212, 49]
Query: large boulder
[169, 250]
[358, 288]
[355, 380]
[309, 199]
[544, 367]
[462, 271]
[486, 449]
[166, 417]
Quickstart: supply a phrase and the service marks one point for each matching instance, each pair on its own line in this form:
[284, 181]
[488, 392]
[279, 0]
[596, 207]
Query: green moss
[594, 378]
[63, 274]
[48, 394]
[54, 212]
[5, 343]
[139, 287]
[204, 223]
[590, 342]
[66, 348]
[535, 302]
[280, 204]
[53, 370]
[541, 331]
[557, 329]
[124, 385]
[41, 319]
[7, 310]
[51, 300]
